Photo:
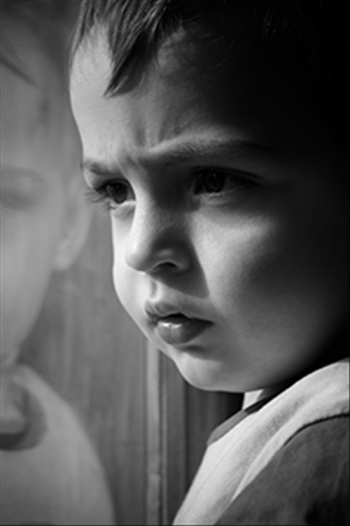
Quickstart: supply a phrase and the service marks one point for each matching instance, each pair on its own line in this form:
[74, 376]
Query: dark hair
[307, 39]
[50, 22]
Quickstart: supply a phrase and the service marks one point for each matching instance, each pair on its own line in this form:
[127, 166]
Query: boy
[49, 471]
[216, 133]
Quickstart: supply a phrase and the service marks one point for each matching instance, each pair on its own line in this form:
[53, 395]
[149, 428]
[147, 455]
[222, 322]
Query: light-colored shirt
[50, 473]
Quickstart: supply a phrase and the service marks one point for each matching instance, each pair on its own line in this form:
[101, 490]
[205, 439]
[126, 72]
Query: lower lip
[180, 331]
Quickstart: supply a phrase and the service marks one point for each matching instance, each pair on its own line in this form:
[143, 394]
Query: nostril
[166, 266]
[157, 258]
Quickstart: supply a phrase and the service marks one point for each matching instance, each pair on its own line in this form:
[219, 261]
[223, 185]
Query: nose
[157, 242]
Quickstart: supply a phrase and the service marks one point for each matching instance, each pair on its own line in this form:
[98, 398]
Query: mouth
[175, 328]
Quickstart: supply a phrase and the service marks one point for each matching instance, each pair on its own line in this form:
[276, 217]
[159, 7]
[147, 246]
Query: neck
[12, 417]
[9, 359]
[339, 350]
[252, 397]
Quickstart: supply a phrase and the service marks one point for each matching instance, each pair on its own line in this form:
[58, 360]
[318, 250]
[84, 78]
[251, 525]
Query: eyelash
[100, 195]
[241, 182]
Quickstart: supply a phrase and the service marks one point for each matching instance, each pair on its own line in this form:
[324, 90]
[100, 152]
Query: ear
[76, 226]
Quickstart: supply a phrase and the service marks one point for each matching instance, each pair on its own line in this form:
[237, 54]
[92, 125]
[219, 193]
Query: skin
[35, 210]
[263, 258]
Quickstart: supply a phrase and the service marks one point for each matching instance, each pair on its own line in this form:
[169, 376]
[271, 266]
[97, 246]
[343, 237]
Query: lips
[175, 328]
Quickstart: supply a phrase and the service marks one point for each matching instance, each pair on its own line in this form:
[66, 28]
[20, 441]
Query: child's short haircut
[49, 21]
[304, 40]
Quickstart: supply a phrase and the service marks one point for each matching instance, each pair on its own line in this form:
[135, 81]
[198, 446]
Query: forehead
[25, 106]
[37, 130]
[24, 49]
[28, 78]
[189, 88]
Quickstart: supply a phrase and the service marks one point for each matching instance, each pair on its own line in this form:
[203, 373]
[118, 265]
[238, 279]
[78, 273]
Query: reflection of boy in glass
[49, 471]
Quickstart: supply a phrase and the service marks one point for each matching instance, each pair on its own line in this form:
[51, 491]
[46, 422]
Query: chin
[205, 375]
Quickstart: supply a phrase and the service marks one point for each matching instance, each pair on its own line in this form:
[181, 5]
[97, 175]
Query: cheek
[243, 259]
[23, 282]
[124, 278]
[28, 247]
[127, 288]
[253, 267]
[274, 283]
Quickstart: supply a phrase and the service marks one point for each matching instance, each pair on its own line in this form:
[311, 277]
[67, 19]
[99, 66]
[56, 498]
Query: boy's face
[229, 214]
[32, 194]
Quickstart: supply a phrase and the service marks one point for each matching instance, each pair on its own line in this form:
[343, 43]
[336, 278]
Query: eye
[20, 189]
[117, 192]
[210, 182]
[113, 194]
[216, 181]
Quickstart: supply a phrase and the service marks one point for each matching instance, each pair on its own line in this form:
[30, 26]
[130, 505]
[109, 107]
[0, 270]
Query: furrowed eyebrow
[100, 169]
[207, 149]
[167, 156]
